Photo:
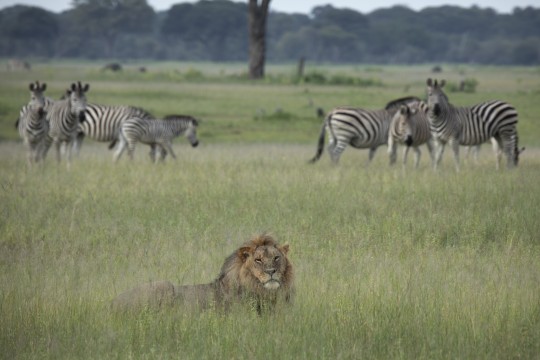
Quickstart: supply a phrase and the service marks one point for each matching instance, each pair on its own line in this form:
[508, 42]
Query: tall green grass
[390, 263]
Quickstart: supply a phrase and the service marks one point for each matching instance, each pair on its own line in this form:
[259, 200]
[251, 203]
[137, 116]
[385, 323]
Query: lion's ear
[244, 252]
[284, 249]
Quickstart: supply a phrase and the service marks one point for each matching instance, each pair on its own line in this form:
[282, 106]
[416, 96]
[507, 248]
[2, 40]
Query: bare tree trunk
[301, 64]
[257, 37]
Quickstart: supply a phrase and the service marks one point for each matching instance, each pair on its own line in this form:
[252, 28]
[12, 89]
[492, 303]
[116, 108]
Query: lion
[258, 273]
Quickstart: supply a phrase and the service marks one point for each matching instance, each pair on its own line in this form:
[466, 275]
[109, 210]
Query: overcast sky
[305, 6]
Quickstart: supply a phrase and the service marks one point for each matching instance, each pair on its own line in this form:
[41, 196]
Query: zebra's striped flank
[158, 133]
[103, 122]
[359, 128]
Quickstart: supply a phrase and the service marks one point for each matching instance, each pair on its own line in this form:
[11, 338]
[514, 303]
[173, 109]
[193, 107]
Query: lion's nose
[271, 271]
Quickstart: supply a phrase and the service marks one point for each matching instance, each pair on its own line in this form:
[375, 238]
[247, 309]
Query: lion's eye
[258, 261]
[276, 258]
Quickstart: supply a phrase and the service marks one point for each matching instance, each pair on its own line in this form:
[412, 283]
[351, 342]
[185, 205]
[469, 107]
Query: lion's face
[266, 265]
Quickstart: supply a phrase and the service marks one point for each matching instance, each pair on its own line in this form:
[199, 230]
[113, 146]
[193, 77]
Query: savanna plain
[390, 262]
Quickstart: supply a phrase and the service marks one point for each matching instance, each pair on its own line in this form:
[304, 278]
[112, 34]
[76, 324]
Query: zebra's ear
[86, 87]
[443, 82]
[73, 87]
[31, 87]
[429, 82]
[43, 87]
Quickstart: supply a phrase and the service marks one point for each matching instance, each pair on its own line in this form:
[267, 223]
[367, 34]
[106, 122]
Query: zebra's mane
[142, 111]
[194, 121]
[395, 104]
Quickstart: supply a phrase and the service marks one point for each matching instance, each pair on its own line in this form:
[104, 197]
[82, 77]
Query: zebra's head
[37, 99]
[403, 124]
[517, 152]
[436, 98]
[191, 132]
[77, 99]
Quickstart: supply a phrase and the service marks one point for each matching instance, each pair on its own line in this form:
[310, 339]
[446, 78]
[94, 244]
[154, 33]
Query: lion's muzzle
[272, 284]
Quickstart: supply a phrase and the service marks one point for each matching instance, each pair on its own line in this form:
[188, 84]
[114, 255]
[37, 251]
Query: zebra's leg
[429, 145]
[77, 143]
[58, 146]
[120, 148]
[45, 146]
[438, 153]
[371, 153]
[497, 150]
[417, 156]
[167, 145]
[405, 153]
[152, 152]
[335, 149]
[476, 152]
[69, 148]
[34, 152]
[29, 153]
[131, 148]
[455, 147]
[162, 153]
[392, 150]
[38, 151]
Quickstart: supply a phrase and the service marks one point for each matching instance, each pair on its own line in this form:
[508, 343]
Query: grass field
[390, 263]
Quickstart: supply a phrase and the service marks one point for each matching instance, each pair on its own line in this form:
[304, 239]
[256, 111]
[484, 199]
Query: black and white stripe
[409, 127]
[158, 133]
[64, 117]
[102, 122]
[32, 125]
[471, 125]
[359, 128]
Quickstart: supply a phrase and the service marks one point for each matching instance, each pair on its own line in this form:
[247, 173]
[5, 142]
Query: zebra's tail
[320, 144]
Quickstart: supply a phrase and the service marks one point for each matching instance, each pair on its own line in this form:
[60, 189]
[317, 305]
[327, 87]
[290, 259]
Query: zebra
[32, 124]
[410, 127]
[471, 125]
[64, 117]
[360, 128]
[102, 123]
[156, 133]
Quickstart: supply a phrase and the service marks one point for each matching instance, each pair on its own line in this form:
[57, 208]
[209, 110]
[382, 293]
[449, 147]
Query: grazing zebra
[64, 117]
[471, 125]
[32, 125]
[102, 123]
[409, 127]
[156, 133]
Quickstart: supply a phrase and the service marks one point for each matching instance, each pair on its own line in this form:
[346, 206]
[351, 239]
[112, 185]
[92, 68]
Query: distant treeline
[217, 31]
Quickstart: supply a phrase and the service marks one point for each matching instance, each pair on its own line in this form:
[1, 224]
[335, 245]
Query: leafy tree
[349, 20]
[27, 30]
[217, 26]
[106, 20]
[220, 30]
